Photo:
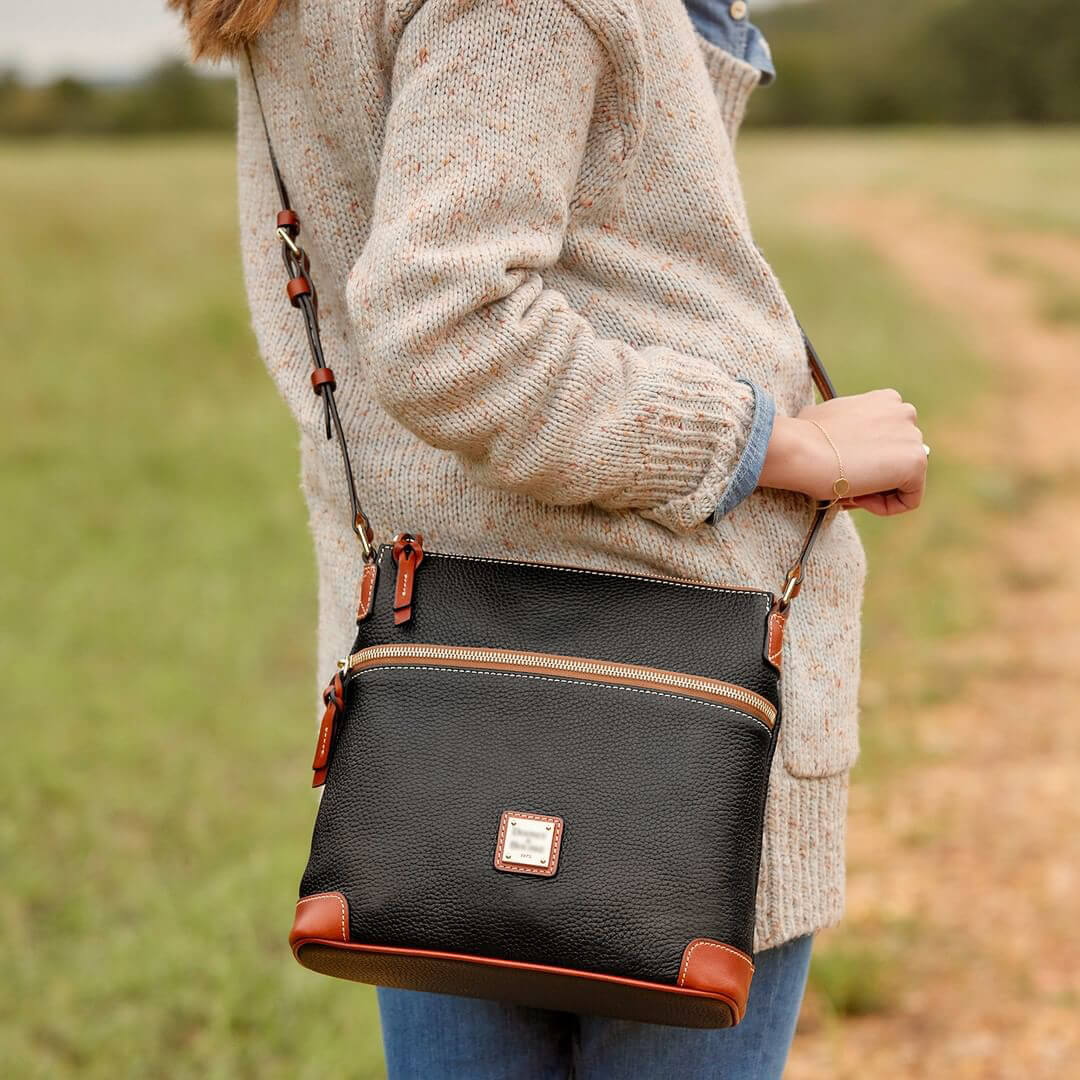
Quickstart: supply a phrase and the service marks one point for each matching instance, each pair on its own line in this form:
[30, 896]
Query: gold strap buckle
[792, 584]
[289, 242]
[366, 536]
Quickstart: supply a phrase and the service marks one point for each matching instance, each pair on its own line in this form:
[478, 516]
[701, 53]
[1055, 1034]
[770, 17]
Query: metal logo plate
[528, 843]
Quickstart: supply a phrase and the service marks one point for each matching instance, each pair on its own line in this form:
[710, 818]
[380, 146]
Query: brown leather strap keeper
[298, 286]
[321, 377]
[288, 219]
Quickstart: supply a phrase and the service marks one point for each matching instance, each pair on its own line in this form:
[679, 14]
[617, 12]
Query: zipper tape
[694, 686]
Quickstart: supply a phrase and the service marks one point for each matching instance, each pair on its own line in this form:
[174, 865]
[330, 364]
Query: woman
[557, 341]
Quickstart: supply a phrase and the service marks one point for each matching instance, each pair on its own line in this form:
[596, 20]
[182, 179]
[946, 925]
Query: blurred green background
[840, 62]
[156, 654]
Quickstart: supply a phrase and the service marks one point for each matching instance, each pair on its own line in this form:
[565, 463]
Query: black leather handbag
[543, 784]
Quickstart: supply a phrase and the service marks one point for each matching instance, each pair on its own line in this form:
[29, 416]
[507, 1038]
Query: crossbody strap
[302, 295]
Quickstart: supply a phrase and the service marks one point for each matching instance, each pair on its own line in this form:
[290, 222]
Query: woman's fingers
[872, 441]
[885, 503]
[877, 438]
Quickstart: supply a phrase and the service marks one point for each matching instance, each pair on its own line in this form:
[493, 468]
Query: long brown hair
[220, 28]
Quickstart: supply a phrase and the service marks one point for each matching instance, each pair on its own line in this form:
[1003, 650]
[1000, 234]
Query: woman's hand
[879, 443]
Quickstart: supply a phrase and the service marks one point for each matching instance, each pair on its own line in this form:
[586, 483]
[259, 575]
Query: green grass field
[158, 591]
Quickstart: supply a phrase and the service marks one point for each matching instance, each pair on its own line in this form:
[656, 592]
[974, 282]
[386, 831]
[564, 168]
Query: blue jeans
[443, 1037]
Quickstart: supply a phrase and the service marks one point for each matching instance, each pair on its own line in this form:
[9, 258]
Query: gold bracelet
[840, 486]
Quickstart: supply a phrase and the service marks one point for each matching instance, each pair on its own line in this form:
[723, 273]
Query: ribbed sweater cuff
[733, 81]
[696, 431]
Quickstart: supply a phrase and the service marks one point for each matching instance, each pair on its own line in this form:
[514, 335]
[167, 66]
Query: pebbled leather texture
[464, 600]
[662, 795]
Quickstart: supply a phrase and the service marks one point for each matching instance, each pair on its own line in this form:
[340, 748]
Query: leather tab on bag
[774, 636]
[716, 968]
[334, 697]
[320, 917]
[367, 591]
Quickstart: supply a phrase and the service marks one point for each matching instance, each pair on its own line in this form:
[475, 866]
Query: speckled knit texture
[538, 289]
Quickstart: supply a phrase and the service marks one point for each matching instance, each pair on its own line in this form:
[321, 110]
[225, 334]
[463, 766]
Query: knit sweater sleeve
[494, 109]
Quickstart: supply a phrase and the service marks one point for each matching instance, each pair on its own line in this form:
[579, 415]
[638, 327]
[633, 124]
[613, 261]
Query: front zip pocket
[656, 778]
[551, 665]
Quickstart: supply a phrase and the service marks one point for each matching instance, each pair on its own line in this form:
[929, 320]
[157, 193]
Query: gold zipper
[515, 660]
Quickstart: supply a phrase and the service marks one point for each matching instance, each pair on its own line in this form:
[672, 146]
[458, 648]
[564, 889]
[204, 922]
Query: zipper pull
[334, 698]
[408, 553]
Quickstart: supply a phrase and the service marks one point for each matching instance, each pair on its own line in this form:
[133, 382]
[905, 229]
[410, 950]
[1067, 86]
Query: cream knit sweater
[538, 288]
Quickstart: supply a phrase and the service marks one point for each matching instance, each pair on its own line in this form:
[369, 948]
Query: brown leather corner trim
[774, 639]
[519, 965]
[715, 968]
[321, 916]
[367, 590]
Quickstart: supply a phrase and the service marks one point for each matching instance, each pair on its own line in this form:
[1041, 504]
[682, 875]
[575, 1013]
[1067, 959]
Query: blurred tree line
[922, 61]
[839, 62]
[170, 97]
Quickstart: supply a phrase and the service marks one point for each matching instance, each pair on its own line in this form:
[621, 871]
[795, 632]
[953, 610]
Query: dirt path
[993, 987]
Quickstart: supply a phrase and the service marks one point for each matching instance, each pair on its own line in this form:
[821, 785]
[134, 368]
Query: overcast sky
[100, 39]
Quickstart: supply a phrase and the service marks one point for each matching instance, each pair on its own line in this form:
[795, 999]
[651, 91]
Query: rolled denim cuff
[748, 468]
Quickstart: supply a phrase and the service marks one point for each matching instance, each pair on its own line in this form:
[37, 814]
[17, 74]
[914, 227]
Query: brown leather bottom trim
[713, 984]
[534, 985]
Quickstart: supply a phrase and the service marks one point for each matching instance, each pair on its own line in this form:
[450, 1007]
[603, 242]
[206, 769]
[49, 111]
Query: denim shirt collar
[716, 21]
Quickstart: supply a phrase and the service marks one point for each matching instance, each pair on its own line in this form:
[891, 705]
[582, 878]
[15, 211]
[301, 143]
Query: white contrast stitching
[572, 682]
[713, 945]
[322, 896]
[603, 573]
[775, 621]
